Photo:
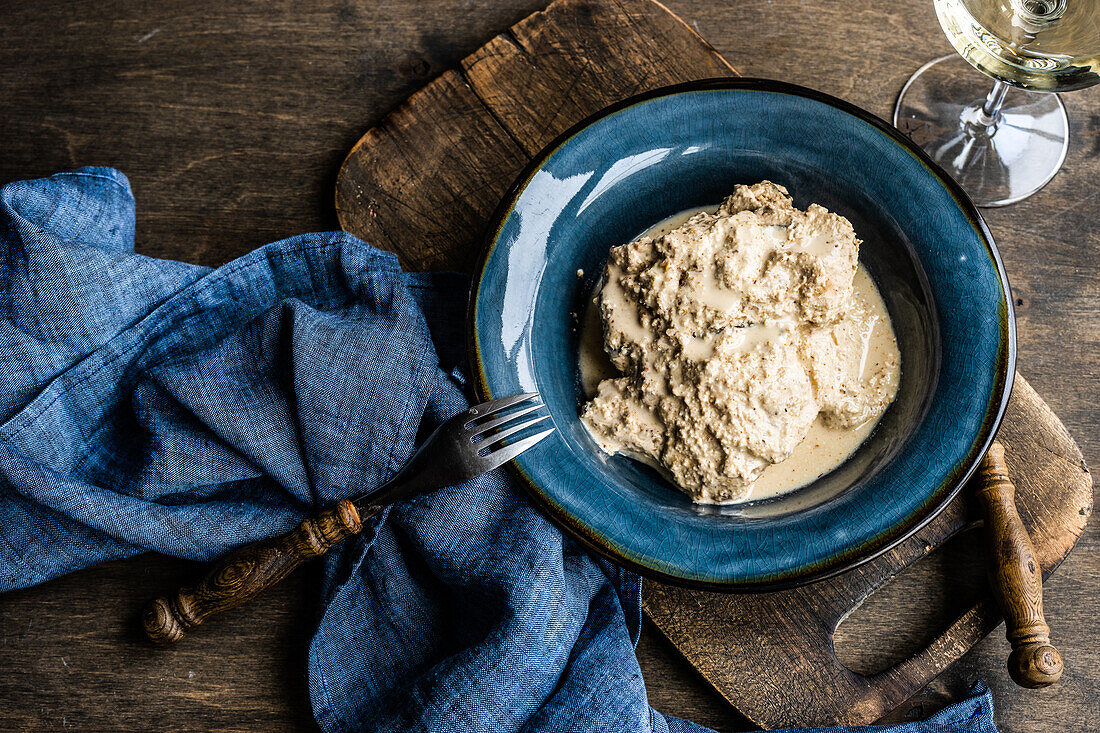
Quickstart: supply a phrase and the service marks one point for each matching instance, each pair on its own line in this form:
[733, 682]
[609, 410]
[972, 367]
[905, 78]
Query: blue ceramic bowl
[608, 179]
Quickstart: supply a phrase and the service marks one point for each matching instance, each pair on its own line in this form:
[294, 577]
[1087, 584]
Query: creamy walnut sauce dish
[742, 350]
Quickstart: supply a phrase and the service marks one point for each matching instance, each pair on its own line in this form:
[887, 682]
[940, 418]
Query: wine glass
[1002, 144]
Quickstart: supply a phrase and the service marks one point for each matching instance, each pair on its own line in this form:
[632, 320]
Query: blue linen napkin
[154, 405]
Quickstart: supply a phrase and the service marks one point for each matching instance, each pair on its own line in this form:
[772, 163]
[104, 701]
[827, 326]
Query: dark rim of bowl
[839, 562]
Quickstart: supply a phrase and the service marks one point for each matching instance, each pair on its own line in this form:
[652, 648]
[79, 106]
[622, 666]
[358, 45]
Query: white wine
[1002, 144]
[1040, 45]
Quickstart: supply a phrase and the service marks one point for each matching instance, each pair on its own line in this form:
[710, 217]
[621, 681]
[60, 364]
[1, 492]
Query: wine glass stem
[991, 109]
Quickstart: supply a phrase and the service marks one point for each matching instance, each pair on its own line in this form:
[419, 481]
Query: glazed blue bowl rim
[839, 562]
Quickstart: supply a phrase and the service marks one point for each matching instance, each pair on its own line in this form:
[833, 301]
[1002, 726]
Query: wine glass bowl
[1002, 144]
[1038, 45]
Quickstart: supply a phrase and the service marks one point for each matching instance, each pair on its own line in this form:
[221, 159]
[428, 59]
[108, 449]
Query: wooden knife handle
[243, 574]
[1016, 577]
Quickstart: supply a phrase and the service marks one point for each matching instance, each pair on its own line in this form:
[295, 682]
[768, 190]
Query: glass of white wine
[1002, 144]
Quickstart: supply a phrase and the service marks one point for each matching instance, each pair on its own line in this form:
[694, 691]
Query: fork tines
[503, 423]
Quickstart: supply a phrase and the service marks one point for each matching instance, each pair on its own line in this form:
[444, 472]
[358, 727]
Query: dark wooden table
[231, 120]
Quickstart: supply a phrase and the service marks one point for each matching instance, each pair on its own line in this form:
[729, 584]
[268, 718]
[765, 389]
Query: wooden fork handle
[1016, 577]
[243, 574]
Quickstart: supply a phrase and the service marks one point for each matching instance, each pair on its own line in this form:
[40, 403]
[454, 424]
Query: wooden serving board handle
[245, 573]
[1016, 577]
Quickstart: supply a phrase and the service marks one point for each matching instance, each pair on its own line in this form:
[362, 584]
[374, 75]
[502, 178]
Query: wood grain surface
[232, 121]
[424, 182]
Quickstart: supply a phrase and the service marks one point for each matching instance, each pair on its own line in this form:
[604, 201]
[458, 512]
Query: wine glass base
[940, 109]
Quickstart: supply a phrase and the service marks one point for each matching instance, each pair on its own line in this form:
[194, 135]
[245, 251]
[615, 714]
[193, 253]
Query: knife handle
[244, 573]
[1016, 577]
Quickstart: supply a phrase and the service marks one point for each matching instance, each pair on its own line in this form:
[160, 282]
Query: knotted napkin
[155, 405]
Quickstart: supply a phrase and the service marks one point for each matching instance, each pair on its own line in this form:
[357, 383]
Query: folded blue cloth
[154, 405]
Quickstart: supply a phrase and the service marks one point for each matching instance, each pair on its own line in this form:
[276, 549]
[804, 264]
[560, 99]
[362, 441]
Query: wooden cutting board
[424, 182]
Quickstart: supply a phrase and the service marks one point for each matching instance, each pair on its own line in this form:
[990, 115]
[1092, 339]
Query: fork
[467, 445]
